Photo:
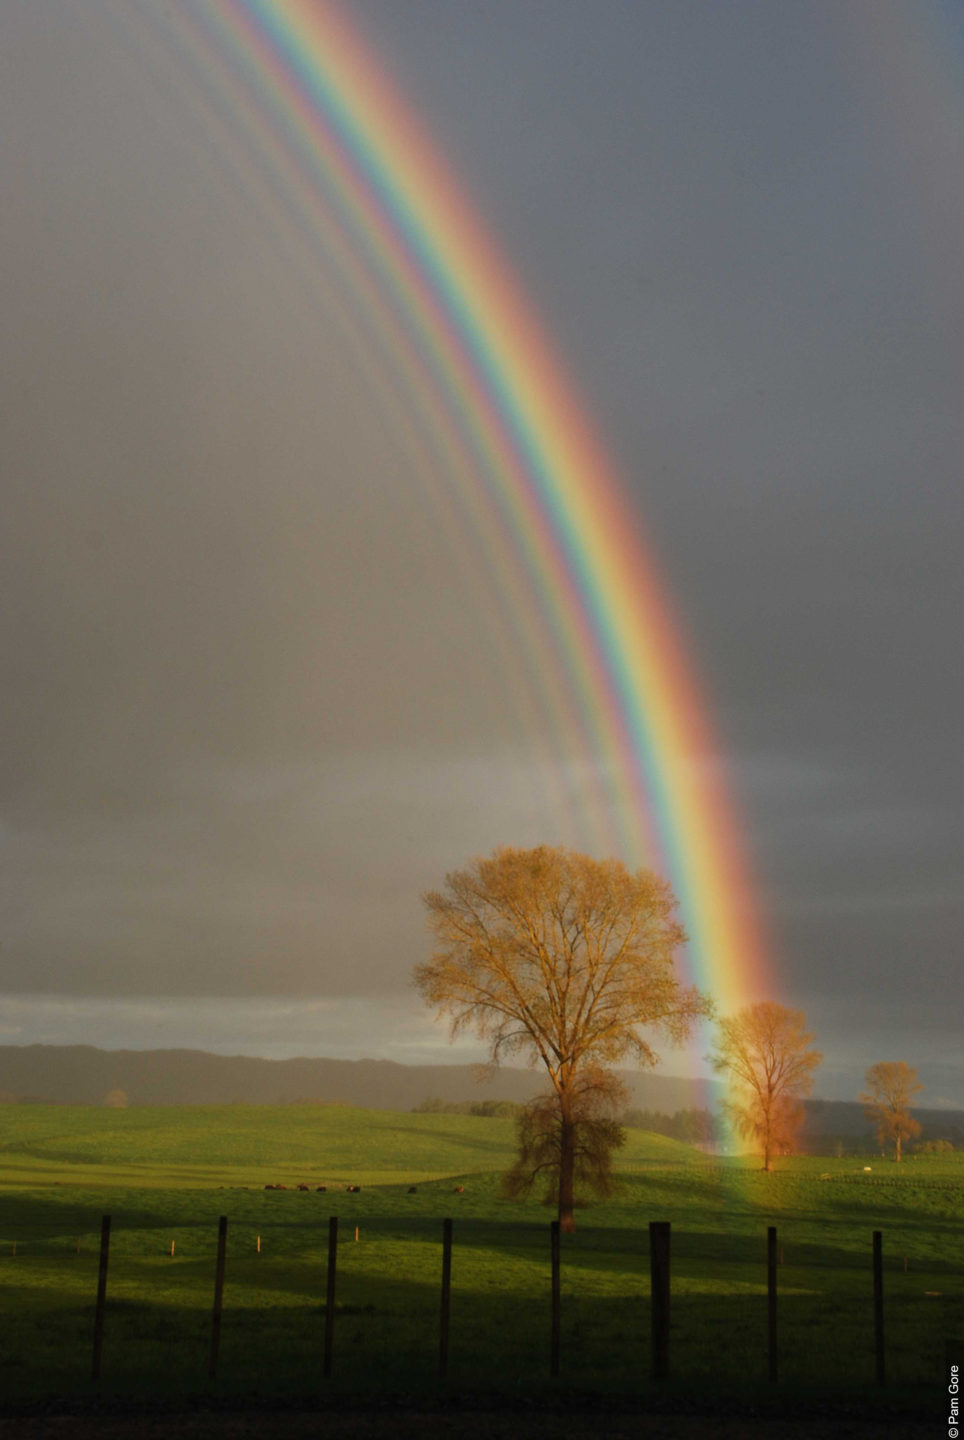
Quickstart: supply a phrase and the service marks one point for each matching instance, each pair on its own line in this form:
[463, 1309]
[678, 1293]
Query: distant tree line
[490, 1109]
[699, 1126]
[694, 1126]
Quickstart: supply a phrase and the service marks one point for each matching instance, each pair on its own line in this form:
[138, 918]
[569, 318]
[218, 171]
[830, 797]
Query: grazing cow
[321, 1189]
[303, 1187]
[353, 1189]
[413, 1189]
[460, 1189]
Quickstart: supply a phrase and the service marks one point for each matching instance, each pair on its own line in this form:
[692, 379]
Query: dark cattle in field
[303, 1187]
[353, 1189]
[460, 1189]
[321, 1189]
[413, 1189]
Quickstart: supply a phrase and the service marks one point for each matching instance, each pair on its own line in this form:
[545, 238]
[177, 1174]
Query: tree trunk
[768, 1108]
[567, 1160]
[898, 1147]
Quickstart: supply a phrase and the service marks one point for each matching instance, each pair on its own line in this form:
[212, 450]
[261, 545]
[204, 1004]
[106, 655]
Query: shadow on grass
[386, 1330]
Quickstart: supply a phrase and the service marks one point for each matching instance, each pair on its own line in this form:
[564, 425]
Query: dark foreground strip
[481, 1422]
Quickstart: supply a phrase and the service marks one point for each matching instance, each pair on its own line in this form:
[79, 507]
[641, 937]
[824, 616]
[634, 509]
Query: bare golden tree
[765, 1051]
[891, 1085]
[561, 959]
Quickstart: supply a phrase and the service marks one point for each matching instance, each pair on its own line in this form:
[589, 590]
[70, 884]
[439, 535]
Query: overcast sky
[252, 704]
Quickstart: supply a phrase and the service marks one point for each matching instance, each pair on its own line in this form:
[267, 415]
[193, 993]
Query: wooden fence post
[101, 1296]
[772, 1300]
[330, 1291]
[879, 1305]
[659, 1241]
[554, 1330]
[443, 1340]
[218, 1296]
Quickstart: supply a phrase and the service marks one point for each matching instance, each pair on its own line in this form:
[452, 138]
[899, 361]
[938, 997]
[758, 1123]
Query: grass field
[166, 1175]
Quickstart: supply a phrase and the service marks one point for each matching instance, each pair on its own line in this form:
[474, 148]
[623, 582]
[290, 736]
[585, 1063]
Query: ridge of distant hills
[85, 1075]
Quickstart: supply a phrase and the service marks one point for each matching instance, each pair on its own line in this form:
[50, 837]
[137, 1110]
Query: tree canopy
[566, 961]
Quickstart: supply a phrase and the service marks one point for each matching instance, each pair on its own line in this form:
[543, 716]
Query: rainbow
[309, 120]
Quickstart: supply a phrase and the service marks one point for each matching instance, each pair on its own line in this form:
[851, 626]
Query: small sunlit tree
[765, 1052]
[891, 1085]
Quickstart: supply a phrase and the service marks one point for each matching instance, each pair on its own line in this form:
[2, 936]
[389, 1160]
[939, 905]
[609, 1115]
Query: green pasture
[166, 1175]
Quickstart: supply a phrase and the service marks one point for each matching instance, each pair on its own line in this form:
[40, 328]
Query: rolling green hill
[246, 1144]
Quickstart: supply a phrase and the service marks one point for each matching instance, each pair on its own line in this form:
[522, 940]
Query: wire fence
[666, 1353]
